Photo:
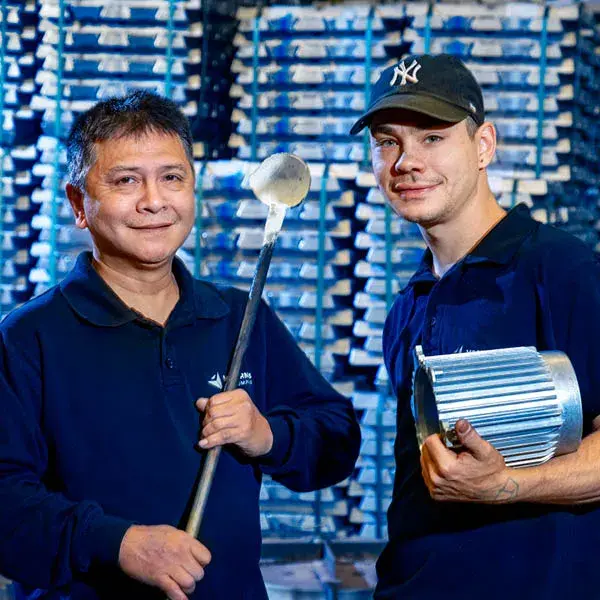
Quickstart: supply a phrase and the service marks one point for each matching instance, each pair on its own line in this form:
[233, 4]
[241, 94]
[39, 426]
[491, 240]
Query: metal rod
[231, 382]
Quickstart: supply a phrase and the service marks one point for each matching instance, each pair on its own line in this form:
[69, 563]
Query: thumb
[201, 404]
[470, 439]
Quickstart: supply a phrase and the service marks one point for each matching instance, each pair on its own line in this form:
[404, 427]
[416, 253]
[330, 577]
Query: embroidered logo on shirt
[218, 381]
[462, 349]
[405, 73]
[246, 378]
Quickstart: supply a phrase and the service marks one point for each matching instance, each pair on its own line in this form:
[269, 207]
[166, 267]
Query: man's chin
[417, 217]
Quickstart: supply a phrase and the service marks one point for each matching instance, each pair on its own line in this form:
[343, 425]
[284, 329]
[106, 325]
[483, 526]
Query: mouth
[413, 190]
[153, 227]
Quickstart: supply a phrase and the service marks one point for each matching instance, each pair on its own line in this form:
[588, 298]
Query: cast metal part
[524, 402]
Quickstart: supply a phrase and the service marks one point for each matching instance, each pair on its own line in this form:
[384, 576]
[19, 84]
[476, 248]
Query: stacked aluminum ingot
[524, 402]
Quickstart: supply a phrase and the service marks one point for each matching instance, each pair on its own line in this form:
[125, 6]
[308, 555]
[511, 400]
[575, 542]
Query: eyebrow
[126, 168]
[434, 126]
[382, 129]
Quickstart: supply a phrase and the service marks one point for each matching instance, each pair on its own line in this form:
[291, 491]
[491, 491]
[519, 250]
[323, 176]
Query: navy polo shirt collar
[499, 246]
[92, 299]
[502, 242]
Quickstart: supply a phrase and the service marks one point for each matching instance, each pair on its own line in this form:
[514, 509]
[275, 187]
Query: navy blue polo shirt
[99, 431]
[525, 284]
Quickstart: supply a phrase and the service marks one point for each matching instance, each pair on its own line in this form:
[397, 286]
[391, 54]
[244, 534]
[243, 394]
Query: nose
[409, 160]
[152, 200]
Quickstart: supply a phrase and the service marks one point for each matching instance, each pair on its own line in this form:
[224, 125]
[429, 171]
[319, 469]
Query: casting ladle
[280, 181]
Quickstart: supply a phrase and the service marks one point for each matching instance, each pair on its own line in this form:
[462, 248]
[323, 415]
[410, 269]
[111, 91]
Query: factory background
[259, 79]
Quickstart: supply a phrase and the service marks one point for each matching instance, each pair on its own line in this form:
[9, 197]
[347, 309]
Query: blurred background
[255, 79]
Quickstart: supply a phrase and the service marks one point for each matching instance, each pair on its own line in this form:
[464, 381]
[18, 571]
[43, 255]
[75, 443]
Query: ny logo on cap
[405, 73]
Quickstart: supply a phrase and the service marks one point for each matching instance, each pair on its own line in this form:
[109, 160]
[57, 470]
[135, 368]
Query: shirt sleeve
[44, 537]
[572, 325]
[316, 435]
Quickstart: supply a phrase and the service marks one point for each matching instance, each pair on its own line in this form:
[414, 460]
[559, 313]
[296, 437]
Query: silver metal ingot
[524, 402]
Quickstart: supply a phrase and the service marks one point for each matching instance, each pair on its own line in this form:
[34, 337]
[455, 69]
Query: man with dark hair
[107, 386]
[464, 525]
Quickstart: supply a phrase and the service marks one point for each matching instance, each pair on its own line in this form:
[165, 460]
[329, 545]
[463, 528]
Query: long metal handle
[232, 381]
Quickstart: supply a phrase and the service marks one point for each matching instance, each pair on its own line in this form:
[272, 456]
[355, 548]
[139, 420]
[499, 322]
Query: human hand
[232, 418]
[477, 473]
[164, 557]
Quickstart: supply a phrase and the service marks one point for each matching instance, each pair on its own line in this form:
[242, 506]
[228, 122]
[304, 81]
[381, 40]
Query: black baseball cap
[439, 86]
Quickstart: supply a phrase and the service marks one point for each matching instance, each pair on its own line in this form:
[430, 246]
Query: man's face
[139, 199]
[427, 169]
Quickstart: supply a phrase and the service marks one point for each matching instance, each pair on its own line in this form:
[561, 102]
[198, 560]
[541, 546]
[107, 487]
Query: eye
[385, 143]
[433, 138]
[128, 179]
[173, 177]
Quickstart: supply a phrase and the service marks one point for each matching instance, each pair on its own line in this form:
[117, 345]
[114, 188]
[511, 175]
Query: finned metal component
[524, 402]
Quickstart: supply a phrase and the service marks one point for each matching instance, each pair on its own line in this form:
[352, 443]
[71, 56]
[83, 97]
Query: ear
[486, 144]
[76, 196]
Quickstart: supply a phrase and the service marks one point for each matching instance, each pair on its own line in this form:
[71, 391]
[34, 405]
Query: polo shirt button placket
[434, 334]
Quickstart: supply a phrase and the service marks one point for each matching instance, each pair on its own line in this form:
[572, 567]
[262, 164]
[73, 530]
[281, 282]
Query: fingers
[203, 404]
[219, 424]
[238, 395]
[227, 418]
[228, 409]
[426, 468]
[160, 555]
[471, 440]
[181, 580]
[184, 579]
[440, 458]
[171, 588]
[228, 435]
[201, 553]
[437, 463]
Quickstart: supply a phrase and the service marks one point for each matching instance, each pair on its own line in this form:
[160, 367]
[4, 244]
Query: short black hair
[135, 114]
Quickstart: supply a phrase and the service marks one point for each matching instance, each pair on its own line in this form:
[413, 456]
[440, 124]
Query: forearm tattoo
[509, 490]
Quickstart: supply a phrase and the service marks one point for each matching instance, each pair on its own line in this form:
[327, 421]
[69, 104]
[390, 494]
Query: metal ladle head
[281, 181]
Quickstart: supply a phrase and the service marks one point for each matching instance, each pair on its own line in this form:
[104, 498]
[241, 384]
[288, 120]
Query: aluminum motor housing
[525, 403]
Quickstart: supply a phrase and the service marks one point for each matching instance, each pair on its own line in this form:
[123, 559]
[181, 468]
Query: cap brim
[426, 105]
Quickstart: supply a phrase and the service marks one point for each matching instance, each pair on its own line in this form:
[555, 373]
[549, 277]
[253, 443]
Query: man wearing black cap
[464, 525]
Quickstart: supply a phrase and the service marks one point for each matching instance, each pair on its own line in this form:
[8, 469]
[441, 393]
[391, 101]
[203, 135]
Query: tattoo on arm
[509, 490]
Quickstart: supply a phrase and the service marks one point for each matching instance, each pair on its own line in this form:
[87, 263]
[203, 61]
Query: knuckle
[444, 472]
[171, 589]
[189, 589]
[436, 481]
[185, 580]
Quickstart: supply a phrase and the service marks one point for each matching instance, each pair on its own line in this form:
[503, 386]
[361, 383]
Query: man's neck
[449, 242]
[151, 292]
